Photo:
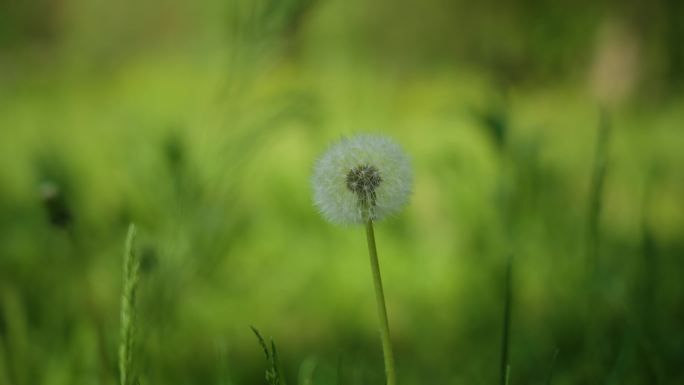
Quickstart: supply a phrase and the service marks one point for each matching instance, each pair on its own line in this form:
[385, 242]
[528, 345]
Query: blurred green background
[550, 130]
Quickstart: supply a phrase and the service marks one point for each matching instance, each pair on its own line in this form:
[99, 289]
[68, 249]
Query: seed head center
[363, 180]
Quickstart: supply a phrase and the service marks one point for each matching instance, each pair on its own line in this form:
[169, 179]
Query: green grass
[207, 144]
[274, 370]
[131, 275]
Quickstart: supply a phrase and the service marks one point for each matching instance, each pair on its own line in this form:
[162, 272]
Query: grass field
[201, 124]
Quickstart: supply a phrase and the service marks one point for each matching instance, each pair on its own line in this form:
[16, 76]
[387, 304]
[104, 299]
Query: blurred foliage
[200, 122]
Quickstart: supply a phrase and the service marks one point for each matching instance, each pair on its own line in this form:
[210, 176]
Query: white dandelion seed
[364, 177]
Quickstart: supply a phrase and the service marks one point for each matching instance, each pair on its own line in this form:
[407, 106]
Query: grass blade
[505, 368]
[596, 190]
[549, 378]
[131, 269]
[274, 371]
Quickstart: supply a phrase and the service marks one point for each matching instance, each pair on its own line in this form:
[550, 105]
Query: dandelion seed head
[362, 177]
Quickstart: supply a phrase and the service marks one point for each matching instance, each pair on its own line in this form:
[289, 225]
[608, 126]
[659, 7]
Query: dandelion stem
[380, 303]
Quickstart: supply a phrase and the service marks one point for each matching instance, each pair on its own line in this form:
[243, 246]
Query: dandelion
[360, 180]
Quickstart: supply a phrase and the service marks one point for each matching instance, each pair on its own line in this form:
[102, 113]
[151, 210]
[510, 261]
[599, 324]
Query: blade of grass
[593, 240]
[596, 190]
[278, 367]
[553, 364]
[274, 371]
[131, 268]
[17, 343]
[508, 297]
[4, 373]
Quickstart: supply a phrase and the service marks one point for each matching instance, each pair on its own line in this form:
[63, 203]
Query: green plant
[131, 269]
[360, 180]
[274, 371]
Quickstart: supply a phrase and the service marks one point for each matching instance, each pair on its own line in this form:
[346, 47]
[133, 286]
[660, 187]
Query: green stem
[505, 367]
[380, 303]
[131, 271]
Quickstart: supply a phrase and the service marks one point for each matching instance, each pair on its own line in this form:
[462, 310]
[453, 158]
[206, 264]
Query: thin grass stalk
[131, 269]
[650, 261]
[4, 367]
[17, 344]
[505, 337]
[593, 242]
[596, 190]
[275, 375]
[549, 378]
